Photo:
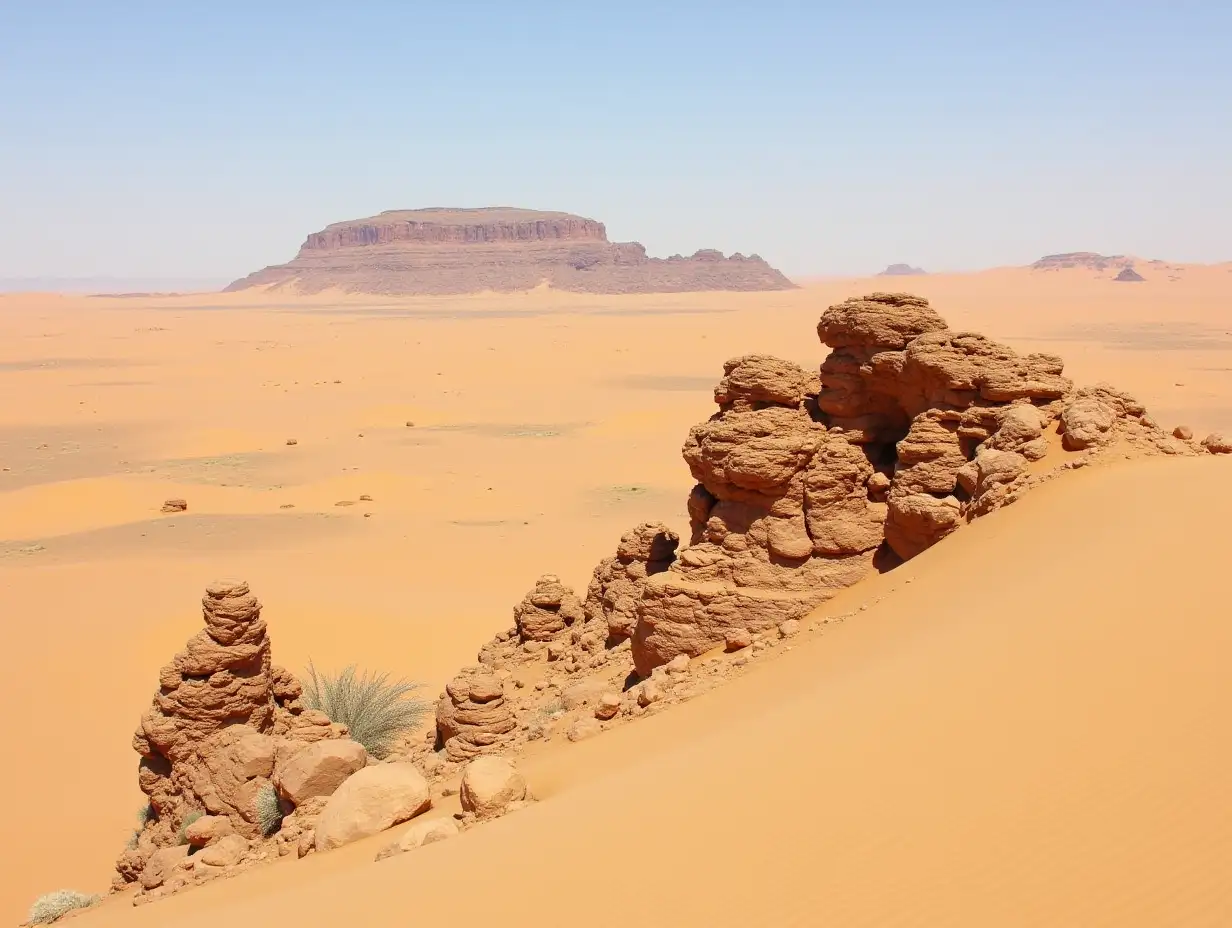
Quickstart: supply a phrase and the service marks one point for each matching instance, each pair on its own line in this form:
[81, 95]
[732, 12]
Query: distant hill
[501, 249]
[901, 270]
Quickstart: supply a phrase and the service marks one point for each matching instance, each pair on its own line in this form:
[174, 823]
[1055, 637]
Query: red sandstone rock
[472, 717]
[617, 582]
[500, 249]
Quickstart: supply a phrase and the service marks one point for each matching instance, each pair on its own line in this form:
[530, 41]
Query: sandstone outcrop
[222, 718]
[804, 484]
[547, 610]
[439, 251]
[617, 583]
[1084, 259]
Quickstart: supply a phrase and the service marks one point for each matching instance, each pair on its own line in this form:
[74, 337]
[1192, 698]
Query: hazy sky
[197, 140]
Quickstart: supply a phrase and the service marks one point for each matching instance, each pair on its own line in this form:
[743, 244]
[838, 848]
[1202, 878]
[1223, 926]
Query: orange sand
[1027, 734]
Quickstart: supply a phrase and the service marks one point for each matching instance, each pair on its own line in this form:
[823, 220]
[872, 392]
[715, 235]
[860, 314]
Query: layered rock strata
[442, 251]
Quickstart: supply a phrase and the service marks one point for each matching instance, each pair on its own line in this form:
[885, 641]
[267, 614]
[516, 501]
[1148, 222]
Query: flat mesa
[497, 249]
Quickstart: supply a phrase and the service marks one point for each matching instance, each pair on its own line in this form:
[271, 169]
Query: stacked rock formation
[472, 716]
[805, 483]
[617, 583]
[224, 717]
[547, 610]
[432, 251]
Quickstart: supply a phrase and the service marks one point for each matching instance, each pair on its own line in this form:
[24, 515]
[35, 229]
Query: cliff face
[441, 251]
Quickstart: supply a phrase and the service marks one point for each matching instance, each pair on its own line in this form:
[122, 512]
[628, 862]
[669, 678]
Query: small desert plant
[145, 815]
[55, 905]
[269, 810]
[374, 708]
[188, 820]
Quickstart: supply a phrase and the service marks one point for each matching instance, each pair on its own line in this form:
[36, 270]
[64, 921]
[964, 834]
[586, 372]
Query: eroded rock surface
[222, 717]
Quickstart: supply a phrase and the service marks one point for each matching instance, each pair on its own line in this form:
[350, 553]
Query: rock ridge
[498, 249]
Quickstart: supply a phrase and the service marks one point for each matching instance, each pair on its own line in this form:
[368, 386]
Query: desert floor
[1028, 732]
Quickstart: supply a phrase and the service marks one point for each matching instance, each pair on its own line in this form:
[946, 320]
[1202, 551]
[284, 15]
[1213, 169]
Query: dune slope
[1024, 728]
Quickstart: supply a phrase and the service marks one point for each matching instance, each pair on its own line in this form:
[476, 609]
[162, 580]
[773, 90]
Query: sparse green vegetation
[373, 707]
[269, 810]
[55, 905]
[188, 820]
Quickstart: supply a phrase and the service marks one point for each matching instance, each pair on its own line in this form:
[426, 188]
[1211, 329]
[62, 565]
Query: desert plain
[1020, 726]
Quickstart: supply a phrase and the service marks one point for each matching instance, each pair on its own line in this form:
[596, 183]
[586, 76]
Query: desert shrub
[269, 810]
[188, 820]
[55, 905]
[375, 708]
[145, 815]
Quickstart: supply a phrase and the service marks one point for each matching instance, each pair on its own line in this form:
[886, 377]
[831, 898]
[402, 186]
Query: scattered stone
[161, 865]
[608, 707]
[365, 498]
[292, 441]
[789, 628]
[225, 852]
[1183, 432]
[427, 831]
[489, 785]
[648, 693]
[175, 505]
[678, 664]
[370, 801]
[1215, 443]
[583, 728]
[737, 639]
[582, 693]
[410, 424]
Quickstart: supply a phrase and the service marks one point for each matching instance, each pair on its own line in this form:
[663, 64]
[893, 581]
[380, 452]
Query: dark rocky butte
[501, 249]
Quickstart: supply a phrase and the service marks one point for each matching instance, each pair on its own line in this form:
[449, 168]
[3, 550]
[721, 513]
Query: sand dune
[1017, 732]
[545, 425]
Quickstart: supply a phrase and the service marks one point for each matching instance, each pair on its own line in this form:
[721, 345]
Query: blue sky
[201, 140]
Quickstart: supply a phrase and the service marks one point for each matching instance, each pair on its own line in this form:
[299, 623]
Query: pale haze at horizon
[153, 141]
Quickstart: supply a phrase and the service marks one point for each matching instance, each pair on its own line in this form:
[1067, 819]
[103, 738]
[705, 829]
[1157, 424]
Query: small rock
[489, 784]
[582, 693]
[226, 852]
[287, 506]
[292, 441]
[789, 628]
[1183, 432]
[678, 664]
[208, 829]
[410, 424]
[175, 505]
[365, 498]
[648, 692]
[608, 707]
[161, 864]
[420, 833]
[1215, 443]
[737, 639]
[584, 728]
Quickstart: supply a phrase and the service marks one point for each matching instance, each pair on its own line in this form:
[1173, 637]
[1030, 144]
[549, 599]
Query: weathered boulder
[370, 801]
[225, 852]
[161, 864]
[490, 785]
[1216, 443]
[318, 769]
[426, 831]
[472, 716]
[1087, 423]
[207, 829]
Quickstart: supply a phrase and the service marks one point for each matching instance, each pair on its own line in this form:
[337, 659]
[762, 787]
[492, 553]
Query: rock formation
[805, 483]
[901, 270]
[617, 583]
[472, 717]
[1129, 275]
[223, 719]
[1085, 259]
[439, 251]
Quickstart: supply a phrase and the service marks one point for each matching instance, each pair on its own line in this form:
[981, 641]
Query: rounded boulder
[319, 769]
[489, 785]
[370, 801]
